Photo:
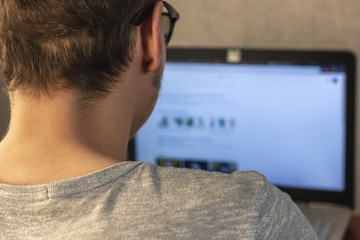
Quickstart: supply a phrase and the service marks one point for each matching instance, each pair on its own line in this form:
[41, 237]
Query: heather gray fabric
[135, 200]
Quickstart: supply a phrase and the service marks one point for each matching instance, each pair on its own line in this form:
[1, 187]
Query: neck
[52, 134]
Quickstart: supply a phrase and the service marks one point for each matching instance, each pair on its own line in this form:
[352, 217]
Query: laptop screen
[286, 120]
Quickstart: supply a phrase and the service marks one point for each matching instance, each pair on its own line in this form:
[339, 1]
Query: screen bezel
[259, 56]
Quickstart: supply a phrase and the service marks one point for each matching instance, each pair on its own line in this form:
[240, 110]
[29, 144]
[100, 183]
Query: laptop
[289, 115]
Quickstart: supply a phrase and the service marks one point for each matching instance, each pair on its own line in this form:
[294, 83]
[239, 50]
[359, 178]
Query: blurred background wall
[277, 24]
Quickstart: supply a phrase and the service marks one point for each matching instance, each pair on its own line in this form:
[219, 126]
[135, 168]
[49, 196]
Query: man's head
[79, 45]
[83, 76]
[103, 58]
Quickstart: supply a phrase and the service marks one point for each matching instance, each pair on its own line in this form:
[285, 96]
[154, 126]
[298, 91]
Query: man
[83, 76]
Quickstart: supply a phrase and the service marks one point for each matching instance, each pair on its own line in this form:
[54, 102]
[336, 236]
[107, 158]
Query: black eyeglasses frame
[142, 14]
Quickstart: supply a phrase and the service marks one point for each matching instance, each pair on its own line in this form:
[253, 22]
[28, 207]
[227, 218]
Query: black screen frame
[300, 57]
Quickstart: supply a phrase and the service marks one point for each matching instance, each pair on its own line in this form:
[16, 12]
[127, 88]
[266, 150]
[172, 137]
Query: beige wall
[269, 23]
[299, 24]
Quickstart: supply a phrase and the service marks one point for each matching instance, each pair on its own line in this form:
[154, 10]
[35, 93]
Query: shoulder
[248, 183]
[245, 199]
[239, 194]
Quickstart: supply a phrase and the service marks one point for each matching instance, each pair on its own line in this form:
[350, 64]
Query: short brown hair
[48, 45]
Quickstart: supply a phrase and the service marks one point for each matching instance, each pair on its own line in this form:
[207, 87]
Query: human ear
[152, 39]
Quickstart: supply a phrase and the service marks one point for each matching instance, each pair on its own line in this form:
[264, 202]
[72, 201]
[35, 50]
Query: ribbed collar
[66, 187]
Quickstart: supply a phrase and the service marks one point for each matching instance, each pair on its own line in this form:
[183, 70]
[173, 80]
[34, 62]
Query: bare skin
[49, 139]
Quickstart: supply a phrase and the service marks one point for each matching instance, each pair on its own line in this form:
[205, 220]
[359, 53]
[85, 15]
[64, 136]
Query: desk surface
[353, 231]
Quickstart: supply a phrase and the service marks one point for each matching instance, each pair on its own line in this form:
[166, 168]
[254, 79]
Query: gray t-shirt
[134, 200]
